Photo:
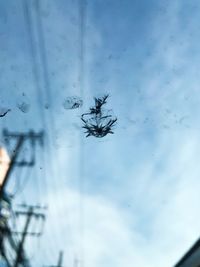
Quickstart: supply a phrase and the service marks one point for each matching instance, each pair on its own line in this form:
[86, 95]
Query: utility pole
[5, 201]
[20, 258]
[60, 261]
[21, 138]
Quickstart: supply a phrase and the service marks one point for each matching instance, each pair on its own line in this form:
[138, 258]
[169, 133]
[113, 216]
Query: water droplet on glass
[24, 107]
[72, 102]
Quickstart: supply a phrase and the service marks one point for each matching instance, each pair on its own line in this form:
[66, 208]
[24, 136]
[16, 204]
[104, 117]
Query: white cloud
[106, 238]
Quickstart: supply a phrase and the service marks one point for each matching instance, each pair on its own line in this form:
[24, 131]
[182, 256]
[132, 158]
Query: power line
[33, 52]
[48, 88]
[55, 170]
[36, 74]
[82, 35]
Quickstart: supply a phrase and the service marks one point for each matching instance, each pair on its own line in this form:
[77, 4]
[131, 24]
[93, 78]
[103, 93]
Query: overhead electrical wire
[47, 86]
[49, 122]
[31, 37]
[33, 53]
[82, 54]
[55, 168]
[47, 79]
[37, 78]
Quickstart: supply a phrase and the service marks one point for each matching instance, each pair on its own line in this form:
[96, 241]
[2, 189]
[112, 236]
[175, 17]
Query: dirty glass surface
[99, 120]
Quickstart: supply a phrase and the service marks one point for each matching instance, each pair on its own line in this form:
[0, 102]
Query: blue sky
[132, 197]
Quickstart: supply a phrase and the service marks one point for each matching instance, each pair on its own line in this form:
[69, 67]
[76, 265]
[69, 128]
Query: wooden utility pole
[21, 138]
[14, 157]
[29, 214]
[60, 261]
[19, 257]
[5, 201]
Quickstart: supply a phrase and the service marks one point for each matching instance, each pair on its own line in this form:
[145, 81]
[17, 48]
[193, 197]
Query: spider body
[95, 122]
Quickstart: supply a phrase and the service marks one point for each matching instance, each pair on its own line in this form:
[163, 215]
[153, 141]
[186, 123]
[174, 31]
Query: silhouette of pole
[19, 257]
[60, 261]
[14, 157]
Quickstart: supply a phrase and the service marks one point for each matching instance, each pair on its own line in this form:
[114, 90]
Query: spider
[98, 125]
